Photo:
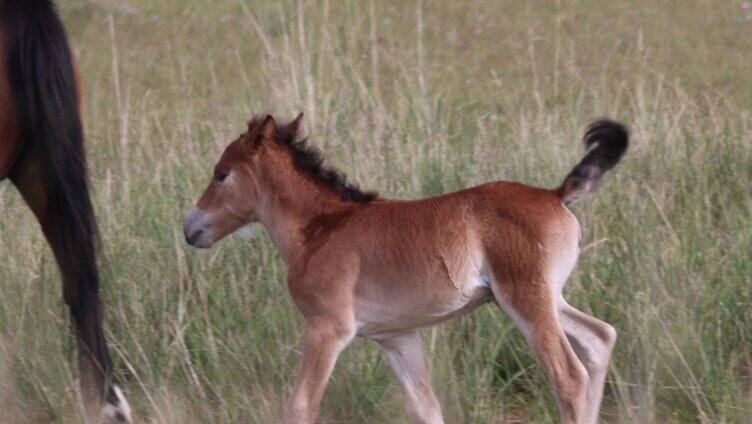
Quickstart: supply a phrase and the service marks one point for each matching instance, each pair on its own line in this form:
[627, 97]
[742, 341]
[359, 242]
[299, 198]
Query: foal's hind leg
[533, 308]
[81, 294]
[405, 355]
[592, 340]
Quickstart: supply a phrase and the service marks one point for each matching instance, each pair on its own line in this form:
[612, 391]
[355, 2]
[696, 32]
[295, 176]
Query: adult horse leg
[77, 263]
[50, 172]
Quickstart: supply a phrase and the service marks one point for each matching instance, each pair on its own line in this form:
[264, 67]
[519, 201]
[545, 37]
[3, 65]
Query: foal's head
[231, 199]
[267, 157]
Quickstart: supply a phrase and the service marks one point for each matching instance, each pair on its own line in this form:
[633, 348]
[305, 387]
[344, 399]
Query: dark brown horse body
[42, 153]
[8, 132]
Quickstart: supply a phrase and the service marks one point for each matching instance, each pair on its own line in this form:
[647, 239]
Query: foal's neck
[287, 208]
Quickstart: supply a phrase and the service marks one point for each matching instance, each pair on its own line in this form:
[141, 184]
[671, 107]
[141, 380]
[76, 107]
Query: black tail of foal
[608, 141]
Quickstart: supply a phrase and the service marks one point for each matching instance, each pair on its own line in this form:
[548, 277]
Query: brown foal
[359, 265]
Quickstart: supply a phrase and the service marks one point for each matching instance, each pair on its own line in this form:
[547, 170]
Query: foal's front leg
[324, 340]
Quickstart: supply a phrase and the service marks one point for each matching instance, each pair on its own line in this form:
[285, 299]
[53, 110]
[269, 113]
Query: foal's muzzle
[196, 229]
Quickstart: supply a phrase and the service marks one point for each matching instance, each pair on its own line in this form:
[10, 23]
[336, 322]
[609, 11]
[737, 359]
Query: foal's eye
[220, 176]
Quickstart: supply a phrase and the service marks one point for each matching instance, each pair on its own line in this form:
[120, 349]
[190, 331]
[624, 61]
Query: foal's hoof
[116, 410]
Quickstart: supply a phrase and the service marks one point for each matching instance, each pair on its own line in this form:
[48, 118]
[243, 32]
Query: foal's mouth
[195, 238]
[197, 232]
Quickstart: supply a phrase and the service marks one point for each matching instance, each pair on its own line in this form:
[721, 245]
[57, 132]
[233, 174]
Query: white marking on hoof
[117, 413]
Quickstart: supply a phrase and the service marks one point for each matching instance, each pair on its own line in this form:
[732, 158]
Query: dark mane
[312, 162]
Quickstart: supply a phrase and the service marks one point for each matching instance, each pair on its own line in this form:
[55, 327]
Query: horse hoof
[116, 410]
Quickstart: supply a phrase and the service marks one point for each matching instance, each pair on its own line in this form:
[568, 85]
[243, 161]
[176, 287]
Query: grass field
[411, 99]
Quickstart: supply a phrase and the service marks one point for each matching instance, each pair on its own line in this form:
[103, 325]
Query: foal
[359, 265]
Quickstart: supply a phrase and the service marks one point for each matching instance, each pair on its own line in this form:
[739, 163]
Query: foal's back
[500, 220]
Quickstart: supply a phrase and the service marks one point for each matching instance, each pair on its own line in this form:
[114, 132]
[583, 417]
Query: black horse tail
[43, 84]
[610, 139]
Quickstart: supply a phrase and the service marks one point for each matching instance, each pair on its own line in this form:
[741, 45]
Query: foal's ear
[268, 127]
[296, 124]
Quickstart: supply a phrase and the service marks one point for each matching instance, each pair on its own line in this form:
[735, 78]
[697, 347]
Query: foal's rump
[530, 240]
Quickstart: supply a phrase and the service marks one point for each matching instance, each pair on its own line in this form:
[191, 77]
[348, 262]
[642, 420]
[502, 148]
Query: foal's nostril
[193, 237]
[196, 228]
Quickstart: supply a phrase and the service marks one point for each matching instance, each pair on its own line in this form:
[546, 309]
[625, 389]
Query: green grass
[410, 99]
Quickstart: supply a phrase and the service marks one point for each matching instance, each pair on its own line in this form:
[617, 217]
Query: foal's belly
[411, 309]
